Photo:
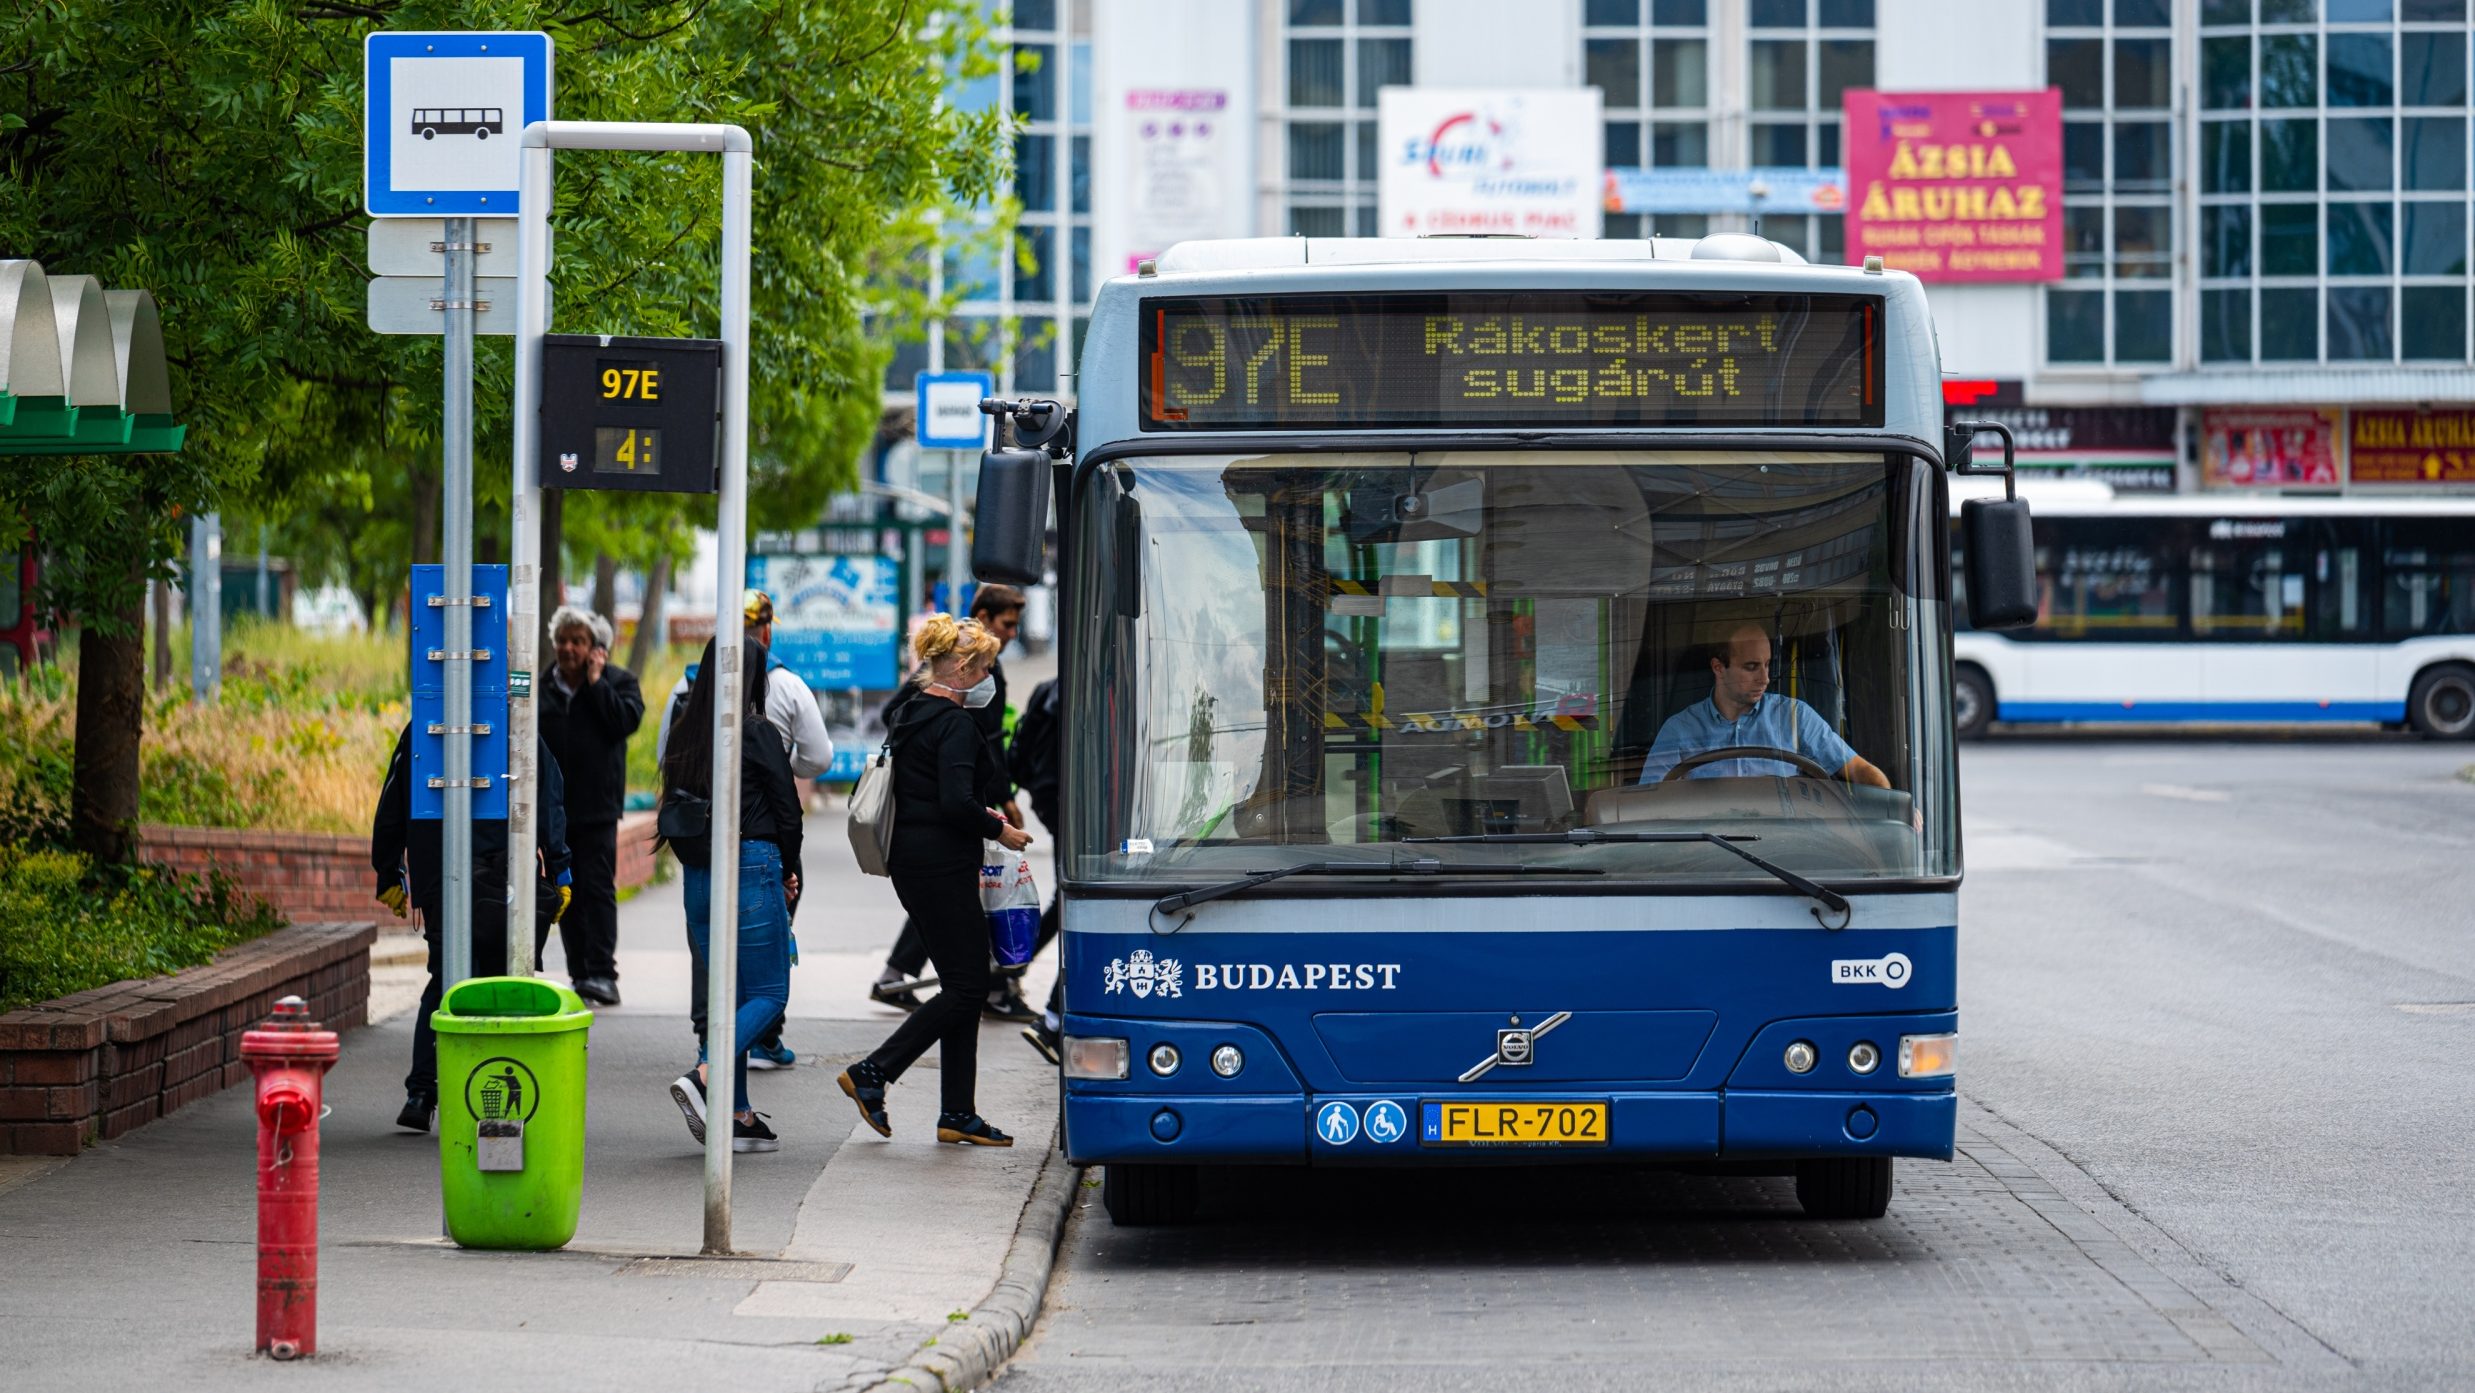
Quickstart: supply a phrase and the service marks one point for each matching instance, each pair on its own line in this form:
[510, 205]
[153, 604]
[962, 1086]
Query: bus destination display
[1511, 359]
[630, 413]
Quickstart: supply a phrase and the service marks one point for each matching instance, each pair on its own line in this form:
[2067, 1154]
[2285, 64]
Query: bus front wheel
[1844, 1187]
[429, 133]
[1140, 1196]
[2442, 705]
[1972, 700]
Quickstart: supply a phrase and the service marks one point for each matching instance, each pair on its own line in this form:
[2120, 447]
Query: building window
[2343, 127]
[2115, 66]
[1801, 58]
[1650, 60]
[1339, 55]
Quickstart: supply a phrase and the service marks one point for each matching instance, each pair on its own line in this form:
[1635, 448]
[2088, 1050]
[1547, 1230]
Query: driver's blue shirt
[1780, 722]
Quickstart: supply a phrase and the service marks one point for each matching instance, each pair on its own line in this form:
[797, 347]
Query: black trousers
[590, 928]
[945, 907]
[489, 960]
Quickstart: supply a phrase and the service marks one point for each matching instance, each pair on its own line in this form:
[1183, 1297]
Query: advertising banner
[1765, 190]
[2268, 447]
[2130, 448]
[2412, 447]
[837, 620]
[1524, 162]
[1173, 146]
[1957, 186]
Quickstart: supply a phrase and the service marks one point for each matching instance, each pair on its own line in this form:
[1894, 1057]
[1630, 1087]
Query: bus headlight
[1164, 1060]
[1864, 1057]
[1801, 1057]
[1227, 1060]
[1095, 1057]
[1928, 1056]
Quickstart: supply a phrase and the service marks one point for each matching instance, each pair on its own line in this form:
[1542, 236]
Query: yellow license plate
[1499, 1122]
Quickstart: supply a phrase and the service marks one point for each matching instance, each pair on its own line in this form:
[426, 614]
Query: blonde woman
[947, 783]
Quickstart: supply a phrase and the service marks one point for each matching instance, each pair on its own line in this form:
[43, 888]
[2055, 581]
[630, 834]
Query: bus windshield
[1321, 657]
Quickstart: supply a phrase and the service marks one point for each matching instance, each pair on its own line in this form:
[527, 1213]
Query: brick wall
[98, 1064]
[311, 877]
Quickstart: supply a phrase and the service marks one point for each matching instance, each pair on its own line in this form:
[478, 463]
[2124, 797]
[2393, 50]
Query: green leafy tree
[211, 151]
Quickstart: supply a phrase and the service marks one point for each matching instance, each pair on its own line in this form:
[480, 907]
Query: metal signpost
[523, 630]
[949, 419]
[434, 103]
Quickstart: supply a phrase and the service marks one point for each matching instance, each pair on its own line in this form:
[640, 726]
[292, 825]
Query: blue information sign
[837, 620]
[443, 115]
[949, 410]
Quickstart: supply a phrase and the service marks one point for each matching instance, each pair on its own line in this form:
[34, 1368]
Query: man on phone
[589, 708]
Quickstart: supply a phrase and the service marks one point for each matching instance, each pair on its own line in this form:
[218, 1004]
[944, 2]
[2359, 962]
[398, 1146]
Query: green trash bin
[511, 1067]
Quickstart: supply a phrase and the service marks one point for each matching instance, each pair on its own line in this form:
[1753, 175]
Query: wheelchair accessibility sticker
[1385, 1122]
[1337, 1123]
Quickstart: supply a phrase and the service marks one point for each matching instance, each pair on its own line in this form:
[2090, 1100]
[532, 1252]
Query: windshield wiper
[1424, 865]
[1830, 899]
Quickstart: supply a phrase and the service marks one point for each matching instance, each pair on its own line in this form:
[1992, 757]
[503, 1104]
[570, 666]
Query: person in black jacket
[946, 779]
[589, 707]
[411, 869]
[769, 873]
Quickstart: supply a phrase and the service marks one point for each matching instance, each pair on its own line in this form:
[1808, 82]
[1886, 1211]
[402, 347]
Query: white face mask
[978, 694]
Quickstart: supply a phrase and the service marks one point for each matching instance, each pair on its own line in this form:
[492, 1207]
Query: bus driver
[1739, 713]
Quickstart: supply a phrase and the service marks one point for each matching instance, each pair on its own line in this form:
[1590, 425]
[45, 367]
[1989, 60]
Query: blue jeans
[764, 947]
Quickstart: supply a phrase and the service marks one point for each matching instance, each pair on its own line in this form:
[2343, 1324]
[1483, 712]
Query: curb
[968, 1352]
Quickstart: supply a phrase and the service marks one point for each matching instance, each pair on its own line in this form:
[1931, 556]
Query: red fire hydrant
[290, 1054]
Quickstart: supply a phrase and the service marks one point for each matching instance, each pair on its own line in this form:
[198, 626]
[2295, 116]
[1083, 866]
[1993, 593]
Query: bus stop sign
[624, 413]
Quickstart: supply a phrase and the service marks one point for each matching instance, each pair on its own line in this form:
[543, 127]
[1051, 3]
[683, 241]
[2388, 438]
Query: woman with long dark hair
[769, 845]
[946, 781]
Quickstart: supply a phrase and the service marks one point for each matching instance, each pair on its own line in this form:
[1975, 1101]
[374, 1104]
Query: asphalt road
[2217, 1132]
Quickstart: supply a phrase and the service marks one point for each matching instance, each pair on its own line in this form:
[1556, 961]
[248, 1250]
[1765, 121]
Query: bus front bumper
[1385, 1128]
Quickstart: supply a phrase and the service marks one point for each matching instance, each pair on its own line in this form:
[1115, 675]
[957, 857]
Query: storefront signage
[1764, 190]
[2269, 447]
[2129, 448]
[1498, 162]
[1173, 130]
[1957, 186]
[2412, 447]
[837, 619]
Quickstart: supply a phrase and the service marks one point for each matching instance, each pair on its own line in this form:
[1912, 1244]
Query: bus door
[2274, 603]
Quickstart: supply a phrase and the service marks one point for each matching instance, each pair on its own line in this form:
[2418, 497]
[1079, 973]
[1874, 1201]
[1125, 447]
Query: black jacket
[946, 778]
[769, 807]
[399, 846]
[588, 732]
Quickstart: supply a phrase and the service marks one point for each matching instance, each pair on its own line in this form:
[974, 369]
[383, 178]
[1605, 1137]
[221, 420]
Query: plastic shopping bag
[1012, 899]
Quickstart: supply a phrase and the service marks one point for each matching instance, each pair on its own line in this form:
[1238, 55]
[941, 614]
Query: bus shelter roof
[81, 368]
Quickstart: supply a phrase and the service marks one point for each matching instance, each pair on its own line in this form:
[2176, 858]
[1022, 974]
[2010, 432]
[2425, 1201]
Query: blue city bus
[1383, 566]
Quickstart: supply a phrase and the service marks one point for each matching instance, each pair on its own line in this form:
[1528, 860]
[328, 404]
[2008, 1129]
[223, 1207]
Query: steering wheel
[1804, 767]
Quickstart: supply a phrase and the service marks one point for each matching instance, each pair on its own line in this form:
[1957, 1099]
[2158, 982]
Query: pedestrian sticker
[501, 1089]
[1337, 1123]
[1385, 1122]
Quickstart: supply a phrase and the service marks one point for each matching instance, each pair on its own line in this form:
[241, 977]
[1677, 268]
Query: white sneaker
[690, 1096]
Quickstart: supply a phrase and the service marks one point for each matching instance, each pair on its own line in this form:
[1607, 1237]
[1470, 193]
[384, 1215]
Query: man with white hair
[589, 708]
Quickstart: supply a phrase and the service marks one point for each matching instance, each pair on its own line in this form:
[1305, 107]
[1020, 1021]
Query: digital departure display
[1511, 359]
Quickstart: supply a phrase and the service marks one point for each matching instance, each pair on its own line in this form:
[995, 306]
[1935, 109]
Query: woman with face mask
[947, 782]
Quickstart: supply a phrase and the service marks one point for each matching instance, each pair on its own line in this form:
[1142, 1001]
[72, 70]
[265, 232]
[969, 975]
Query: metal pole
[524, 552]
[953, 533]
[456, 932]
[205, 606]
[731, 525]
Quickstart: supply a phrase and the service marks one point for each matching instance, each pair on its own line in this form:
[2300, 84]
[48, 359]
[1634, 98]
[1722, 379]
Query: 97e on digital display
[1499, 359]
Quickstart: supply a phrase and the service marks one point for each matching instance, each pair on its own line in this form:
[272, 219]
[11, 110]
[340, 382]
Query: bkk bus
[1384, 565]
[2236, 610]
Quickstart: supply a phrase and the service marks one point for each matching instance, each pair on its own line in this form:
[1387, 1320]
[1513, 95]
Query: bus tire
[1140, 1196]
[1844, 1187]
[2442, 705]
[1972, 700]
[429, 133]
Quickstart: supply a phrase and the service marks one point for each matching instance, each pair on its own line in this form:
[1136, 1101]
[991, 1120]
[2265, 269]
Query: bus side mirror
[1009, 538]
[2002, 548]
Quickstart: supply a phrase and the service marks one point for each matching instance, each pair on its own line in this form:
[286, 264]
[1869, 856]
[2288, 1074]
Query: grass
[67, 925]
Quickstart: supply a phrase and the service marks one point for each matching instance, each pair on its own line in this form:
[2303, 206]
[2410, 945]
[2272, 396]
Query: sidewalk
[134, 1264]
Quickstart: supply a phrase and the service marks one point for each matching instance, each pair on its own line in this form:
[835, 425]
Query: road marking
[2184, 793]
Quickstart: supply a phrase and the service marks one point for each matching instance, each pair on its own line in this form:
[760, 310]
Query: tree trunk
[161, 593]
[425, 490]
[649, 623]
[111, 713]
[605, 585]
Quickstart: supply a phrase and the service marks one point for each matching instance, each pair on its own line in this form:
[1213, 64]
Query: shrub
[67, 925]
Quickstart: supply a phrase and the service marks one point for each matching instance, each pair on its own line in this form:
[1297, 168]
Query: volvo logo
[1515, 1048]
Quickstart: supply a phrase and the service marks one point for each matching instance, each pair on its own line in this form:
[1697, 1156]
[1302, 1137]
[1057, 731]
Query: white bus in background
[2272, 610]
